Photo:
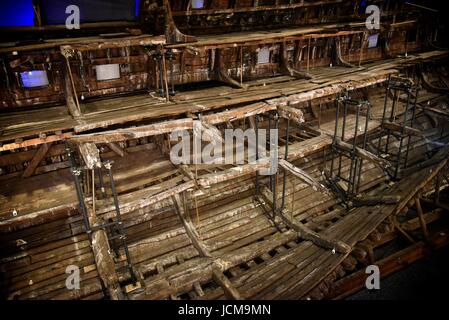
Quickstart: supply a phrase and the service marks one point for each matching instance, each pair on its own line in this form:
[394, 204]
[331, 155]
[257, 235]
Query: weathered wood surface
[307, 264]
[136, 132]
[37, 158]
[223, 223]
[90, 155]
[230, 224]
[303, 231]
[217, 274]
[89, 43]
[356, 281]
[364, 154]
[150, 108]
[297, 172]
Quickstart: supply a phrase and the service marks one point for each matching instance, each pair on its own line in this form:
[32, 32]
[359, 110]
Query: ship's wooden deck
[228, 221]
[259, 260]
[53, 124]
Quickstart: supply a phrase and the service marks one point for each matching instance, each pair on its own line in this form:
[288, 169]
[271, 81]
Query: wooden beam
[67, 54]
[402, 231]
[375, 200]
[287, 69]
[117, 149]
[190, 229]
[310, 235]
[364, 154]
[377, 77]
[68, 94]
[291, 113]
[221, 74]
[407, 130]
[439, 158]
[339, 55]
[172, 33]
[304, 176]
[34, 141]
[421, 217]
[148, 198]
[303, 231]
[209, 133]
[136, 132]
[38, 217]
[356, 281]
[36, 160]
[238, 113]
[235, 172]
[90, 155]
[201, 268]
[229, 290]
[103, 259]
[217, 274]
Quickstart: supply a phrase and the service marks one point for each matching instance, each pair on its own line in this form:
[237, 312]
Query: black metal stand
[352, 178]
[114, 228]
[157, 57]
[273, 117]
[393, 126]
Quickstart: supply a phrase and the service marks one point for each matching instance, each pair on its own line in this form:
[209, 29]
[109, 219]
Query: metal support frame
[397, 87]
[114, 228]
[121, 234]
[273, 117]
[157, 57]
[353, 177]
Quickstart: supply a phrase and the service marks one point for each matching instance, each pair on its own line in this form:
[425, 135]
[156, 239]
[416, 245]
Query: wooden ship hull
[87, 179]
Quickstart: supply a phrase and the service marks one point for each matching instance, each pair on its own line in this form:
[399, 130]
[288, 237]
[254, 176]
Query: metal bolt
[108, 165]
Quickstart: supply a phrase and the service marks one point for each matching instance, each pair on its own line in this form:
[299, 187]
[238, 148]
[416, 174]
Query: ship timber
[87, 177]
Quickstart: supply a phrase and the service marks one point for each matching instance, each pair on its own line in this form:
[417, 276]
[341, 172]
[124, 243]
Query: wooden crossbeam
[238, 113]
[36, 160]
[235, 172]
[217, 274]
[117, 149]
[149, 198]
[364, 154]
[34, 141]
[136, 132]
[440, 157]
[407, 130]
[291, 113]
[189, 227]
[421, 217]
[301, 174]
[375, 200]
[303, 231]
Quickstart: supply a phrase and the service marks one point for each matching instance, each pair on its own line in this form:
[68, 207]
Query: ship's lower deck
[198, 231]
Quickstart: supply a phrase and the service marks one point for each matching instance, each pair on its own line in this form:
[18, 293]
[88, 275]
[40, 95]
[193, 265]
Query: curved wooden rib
[429, 85]
[286, 69]
[172, 33]
[386, 49]
[221, 75]
[339, 57]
